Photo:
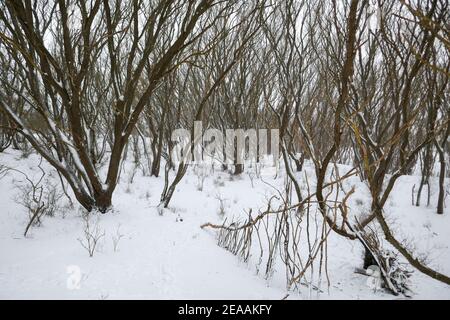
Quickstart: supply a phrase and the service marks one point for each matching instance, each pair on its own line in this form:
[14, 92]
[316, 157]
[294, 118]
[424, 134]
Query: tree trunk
[238, 169]
[440, 204]
[103, 201]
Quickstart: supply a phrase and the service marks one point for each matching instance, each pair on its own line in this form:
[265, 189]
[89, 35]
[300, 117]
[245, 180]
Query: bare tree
[55, 47]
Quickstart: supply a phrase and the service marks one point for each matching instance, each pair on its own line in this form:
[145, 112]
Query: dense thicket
[358, 82]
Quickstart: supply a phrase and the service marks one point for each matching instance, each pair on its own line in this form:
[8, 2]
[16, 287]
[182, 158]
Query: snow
[171, 257]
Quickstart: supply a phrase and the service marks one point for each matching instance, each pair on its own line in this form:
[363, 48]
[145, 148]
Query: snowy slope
[168, 256]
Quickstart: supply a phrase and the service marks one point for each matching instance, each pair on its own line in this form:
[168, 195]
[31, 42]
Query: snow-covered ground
[169, 256]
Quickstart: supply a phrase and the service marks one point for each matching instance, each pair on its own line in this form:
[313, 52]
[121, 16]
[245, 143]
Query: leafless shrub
[258, 167]
[201, 172]
[218, 182]
[40, 198]
[133, 173]
[116, 238]
[275, 233]
[92, 234]
[222, 208]
[251, 176]
[6, 134]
